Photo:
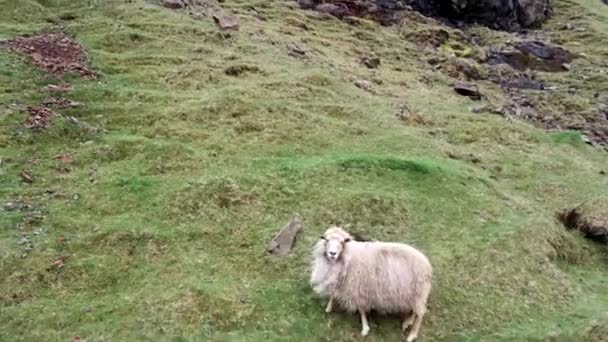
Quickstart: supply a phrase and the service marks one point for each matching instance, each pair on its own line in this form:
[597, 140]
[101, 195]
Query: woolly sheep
[391, 278]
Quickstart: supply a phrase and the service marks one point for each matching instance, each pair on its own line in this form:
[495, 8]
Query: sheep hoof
[365, 332]
[412, 338]
[328, 310]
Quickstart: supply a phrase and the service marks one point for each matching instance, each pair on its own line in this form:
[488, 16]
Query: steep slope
[142, 211]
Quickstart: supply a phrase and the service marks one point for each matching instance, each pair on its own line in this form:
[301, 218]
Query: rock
[586, 139]
[470, 157]
[363, 84]
[282, 243]
[26, 177]
[510, 15]
[501, 14]
[567, 27]
[522, 83]
[533, 55]
[226, 21]
[333, 9]
[468, 89]
[371, 62]
[532, 13]
[174, 4]
[58, 88]
[487, 108]
[295, 50]
[352, 20]
[405, 114]
[306, 4]
[64, 158]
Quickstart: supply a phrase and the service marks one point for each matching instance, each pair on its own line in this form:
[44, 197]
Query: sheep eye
[322, 237]
[347, 240]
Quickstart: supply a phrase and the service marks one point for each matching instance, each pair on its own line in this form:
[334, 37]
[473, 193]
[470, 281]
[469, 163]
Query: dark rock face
[510, 15]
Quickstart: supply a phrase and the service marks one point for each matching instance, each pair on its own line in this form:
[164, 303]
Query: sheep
[390, 278]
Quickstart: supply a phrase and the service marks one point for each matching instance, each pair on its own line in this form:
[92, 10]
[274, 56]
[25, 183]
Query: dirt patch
[590, 219]
[59, 102]
[57, 53]
[39, 117]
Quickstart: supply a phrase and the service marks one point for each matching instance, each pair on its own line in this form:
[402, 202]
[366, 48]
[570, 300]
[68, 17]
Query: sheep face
[335, 239]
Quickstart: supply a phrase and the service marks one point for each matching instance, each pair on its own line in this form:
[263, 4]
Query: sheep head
[335, 238]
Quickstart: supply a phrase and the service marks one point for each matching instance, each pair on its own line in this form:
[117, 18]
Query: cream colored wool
[391, 278]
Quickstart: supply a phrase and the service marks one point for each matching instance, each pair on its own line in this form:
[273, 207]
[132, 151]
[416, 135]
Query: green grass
[163, 220]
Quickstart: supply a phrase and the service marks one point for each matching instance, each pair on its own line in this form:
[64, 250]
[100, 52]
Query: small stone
[586, 140]
[335, 10]
[473, 158]
[435, 131]
[226, 21]
[26, 177]
[567, 26]
[363, 84]
[58, 263]
[371, 62]
[468, 89]
[296, 50]
[352, 20]
[10, 206]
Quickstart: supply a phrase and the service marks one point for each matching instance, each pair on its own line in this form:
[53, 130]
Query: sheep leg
[329, 305]
[417, 323]
[408, 321]
[365, 328]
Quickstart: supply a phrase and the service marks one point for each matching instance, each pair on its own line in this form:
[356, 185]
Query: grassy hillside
[213, 140]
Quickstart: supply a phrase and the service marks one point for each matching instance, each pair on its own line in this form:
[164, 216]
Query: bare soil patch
[57, 53]
[589, 219]
[39, 117]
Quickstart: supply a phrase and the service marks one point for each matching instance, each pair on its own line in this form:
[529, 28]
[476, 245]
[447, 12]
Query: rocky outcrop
[510, 15]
